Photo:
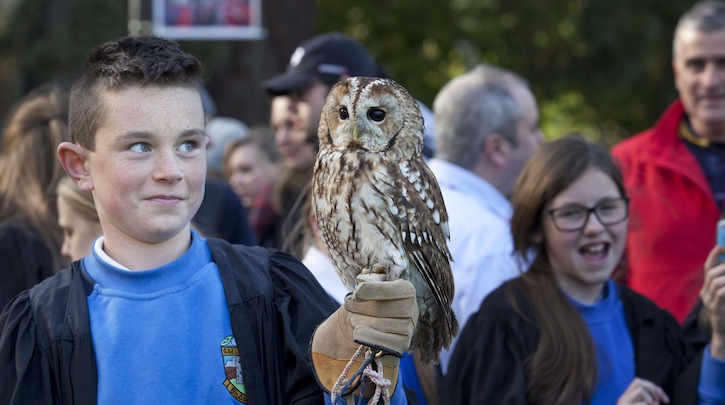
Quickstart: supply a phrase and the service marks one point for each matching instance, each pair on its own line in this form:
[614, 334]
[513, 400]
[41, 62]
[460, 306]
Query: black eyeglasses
[575, 217]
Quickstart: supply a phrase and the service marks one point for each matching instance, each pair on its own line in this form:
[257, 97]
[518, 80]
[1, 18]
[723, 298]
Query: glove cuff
[328, 370]
[332, 347]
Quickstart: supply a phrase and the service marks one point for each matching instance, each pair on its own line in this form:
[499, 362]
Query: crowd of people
[154, 252]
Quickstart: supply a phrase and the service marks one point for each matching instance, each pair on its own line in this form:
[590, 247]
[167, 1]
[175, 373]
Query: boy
[158, 314]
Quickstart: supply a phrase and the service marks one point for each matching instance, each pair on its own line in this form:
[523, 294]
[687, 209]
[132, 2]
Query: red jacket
[672, 215]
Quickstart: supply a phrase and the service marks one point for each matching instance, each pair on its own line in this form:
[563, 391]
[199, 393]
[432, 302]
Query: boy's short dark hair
[126, 62]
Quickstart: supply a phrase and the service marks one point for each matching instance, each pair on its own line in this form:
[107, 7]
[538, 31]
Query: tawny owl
[378, 205]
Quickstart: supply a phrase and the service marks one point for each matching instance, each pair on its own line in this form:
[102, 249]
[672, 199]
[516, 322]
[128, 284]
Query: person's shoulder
[220, 191]
[19, 230]
[239, 257]
[507, 291]
[644, 307]
[58, 288]
[22, 248]
[255, 262]
[505, 302]
[484, 221]
[54, 303]
[497, 298]
[469, 215]
[627, 294]
[661, 135]
[504, 312]
[633, 144]
[260, 271]
[221, 248]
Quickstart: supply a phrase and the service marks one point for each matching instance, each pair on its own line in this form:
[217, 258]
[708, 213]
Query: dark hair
[563, 369]
[129, 61]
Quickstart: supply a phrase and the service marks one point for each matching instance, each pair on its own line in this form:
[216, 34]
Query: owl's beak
[358, 130]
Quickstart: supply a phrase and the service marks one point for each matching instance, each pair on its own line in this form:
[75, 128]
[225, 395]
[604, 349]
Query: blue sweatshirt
[608, 326]
[615, 351]
[163, 335]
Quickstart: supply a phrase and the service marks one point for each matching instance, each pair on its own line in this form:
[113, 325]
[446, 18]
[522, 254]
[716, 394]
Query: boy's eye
[189, 146]
[140, 148]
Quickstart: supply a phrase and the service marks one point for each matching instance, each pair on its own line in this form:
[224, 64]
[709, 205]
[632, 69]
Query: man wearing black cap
[328, 57]
[299, 95]
[314, 67]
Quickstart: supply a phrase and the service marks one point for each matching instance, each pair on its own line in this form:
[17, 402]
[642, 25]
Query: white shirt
[479, 219]
[321, 267]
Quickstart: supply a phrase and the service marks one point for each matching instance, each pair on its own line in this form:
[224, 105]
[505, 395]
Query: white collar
[455, 177]
[98, 248]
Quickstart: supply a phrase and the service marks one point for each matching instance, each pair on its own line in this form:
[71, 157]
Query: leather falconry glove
[378, 314]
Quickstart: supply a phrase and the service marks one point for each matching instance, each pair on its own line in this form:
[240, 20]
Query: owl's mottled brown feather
[377, 203]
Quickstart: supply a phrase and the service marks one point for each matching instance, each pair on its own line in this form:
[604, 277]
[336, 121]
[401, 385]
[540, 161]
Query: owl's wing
[423, 221]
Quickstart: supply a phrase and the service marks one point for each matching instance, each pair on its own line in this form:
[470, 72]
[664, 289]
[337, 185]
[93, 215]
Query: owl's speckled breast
[351, 205]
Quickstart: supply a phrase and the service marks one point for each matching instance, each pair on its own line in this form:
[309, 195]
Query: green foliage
[51, 38]
[601, 68]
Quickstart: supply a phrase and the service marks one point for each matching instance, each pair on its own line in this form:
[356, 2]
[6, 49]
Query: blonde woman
[78, 219]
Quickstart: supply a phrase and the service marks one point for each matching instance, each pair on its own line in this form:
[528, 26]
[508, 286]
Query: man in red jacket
[675, 171]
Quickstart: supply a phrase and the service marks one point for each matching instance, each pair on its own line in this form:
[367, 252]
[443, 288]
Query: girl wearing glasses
[563, 332]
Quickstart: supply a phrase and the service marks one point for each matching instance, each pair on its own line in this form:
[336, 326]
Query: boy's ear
[73, 158]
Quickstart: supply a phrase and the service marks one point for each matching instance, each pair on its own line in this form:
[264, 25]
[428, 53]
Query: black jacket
[46, 351]
[487, 366]
[25, 259]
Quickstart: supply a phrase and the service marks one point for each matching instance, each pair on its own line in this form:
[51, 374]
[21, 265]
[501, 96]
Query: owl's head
[371, 114]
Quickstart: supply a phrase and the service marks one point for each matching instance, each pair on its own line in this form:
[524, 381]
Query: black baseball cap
[331, 54]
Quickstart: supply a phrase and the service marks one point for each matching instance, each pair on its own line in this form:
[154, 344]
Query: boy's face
[148, 168]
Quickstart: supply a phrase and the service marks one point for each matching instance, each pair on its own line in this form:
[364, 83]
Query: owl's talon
[366, 278]
[375, 269]
[379, 269]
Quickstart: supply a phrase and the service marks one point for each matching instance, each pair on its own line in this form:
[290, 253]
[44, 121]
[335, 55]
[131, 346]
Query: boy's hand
[381, 315]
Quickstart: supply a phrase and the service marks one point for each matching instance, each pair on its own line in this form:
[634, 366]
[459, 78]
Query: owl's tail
[435, 330]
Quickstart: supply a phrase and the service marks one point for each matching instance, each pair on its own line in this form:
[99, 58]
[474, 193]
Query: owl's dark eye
[343, 113]
[376, 114]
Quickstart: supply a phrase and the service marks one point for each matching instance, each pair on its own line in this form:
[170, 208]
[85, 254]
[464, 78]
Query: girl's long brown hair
[29, 167]
[563, 368]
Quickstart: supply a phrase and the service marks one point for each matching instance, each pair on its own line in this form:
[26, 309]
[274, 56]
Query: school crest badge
[233, 369]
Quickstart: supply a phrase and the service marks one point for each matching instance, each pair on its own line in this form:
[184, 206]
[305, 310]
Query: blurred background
[598, 67]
